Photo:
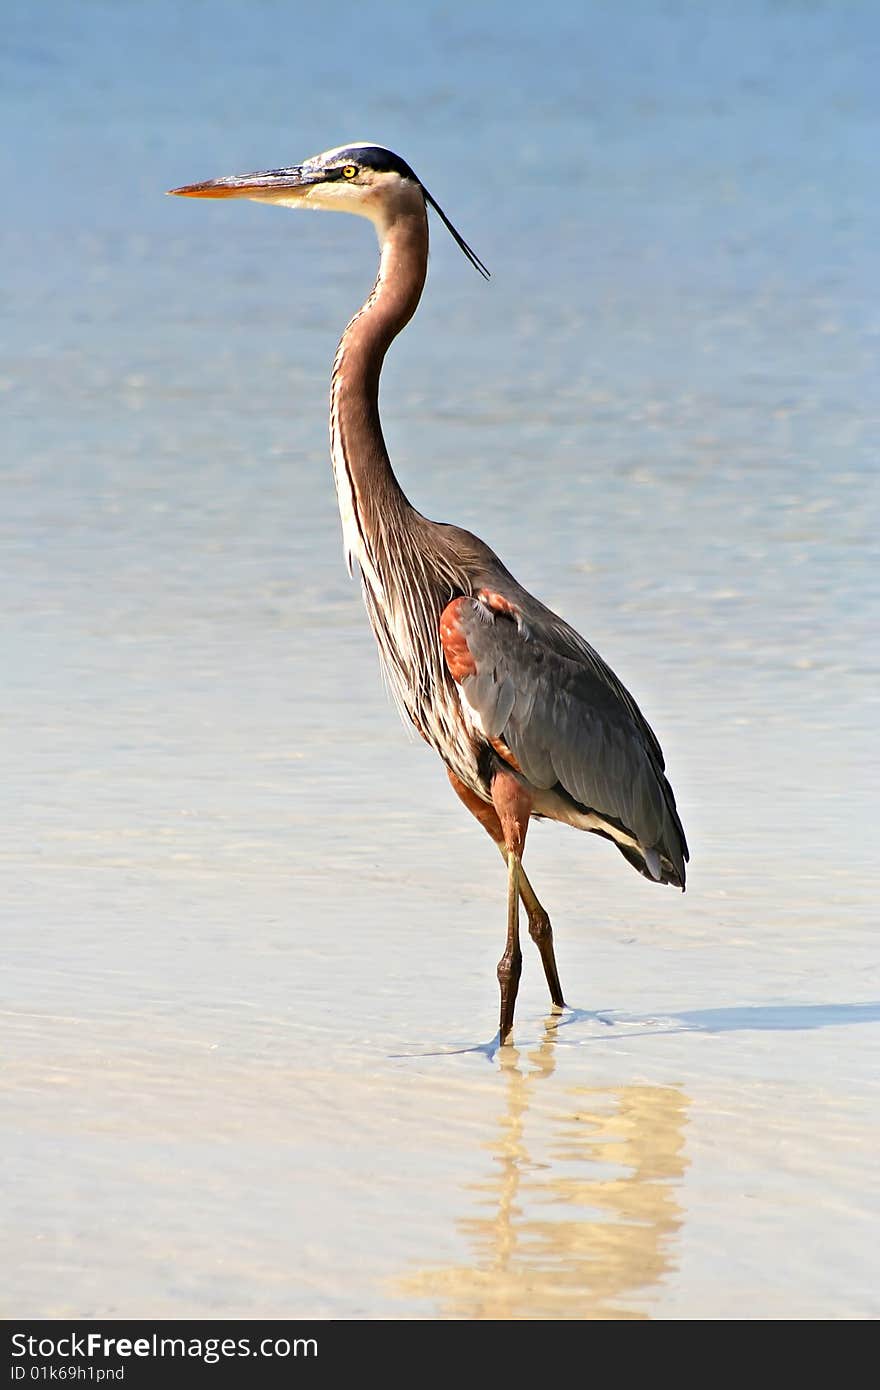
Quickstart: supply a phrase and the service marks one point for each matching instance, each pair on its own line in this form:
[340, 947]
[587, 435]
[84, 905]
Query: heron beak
[271, 186]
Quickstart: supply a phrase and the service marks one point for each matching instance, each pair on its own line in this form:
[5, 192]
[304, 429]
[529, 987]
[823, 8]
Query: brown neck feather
[360, 457]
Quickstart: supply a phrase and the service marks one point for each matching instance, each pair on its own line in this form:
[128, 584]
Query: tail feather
[667, 871]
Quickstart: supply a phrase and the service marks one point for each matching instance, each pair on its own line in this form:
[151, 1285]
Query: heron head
[361, 178]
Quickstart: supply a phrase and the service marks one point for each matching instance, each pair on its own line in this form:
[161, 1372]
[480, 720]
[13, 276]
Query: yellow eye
[349, 171]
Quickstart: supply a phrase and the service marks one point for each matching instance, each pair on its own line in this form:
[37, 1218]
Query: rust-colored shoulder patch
[454, 642]
[498, 602]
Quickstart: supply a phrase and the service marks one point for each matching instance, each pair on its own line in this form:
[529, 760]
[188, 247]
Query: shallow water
[250, 937]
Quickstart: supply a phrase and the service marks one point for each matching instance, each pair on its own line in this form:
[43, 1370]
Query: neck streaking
[372, 504]
[408, 570]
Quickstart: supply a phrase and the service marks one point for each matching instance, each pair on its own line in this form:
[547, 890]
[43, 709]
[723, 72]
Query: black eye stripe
[374, 157]
[382, 161]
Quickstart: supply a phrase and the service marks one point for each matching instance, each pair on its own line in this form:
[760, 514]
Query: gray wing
[569, 728]
[487, 571]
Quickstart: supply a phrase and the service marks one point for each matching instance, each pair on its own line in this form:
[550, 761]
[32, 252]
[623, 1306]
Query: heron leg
[513, 806]
[510, 964]
[540, 929]
[541, 933]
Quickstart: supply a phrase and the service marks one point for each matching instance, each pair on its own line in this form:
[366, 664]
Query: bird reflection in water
[581, 1211]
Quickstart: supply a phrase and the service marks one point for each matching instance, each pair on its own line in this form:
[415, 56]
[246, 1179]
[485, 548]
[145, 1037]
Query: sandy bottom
[208, 1120]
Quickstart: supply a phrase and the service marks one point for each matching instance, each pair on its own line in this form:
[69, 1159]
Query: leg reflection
[579, 1215]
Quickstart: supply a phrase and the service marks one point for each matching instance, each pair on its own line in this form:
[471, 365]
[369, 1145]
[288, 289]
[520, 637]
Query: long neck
[371, 501]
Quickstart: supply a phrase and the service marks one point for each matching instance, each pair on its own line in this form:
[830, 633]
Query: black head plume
[383, 161]
[468, 251]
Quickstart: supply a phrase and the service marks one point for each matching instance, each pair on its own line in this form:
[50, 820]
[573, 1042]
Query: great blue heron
[526, 716]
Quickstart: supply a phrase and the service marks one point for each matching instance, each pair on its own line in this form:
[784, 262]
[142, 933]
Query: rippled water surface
[249, 936]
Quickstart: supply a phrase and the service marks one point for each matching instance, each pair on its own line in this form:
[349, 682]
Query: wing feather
[568, 727]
